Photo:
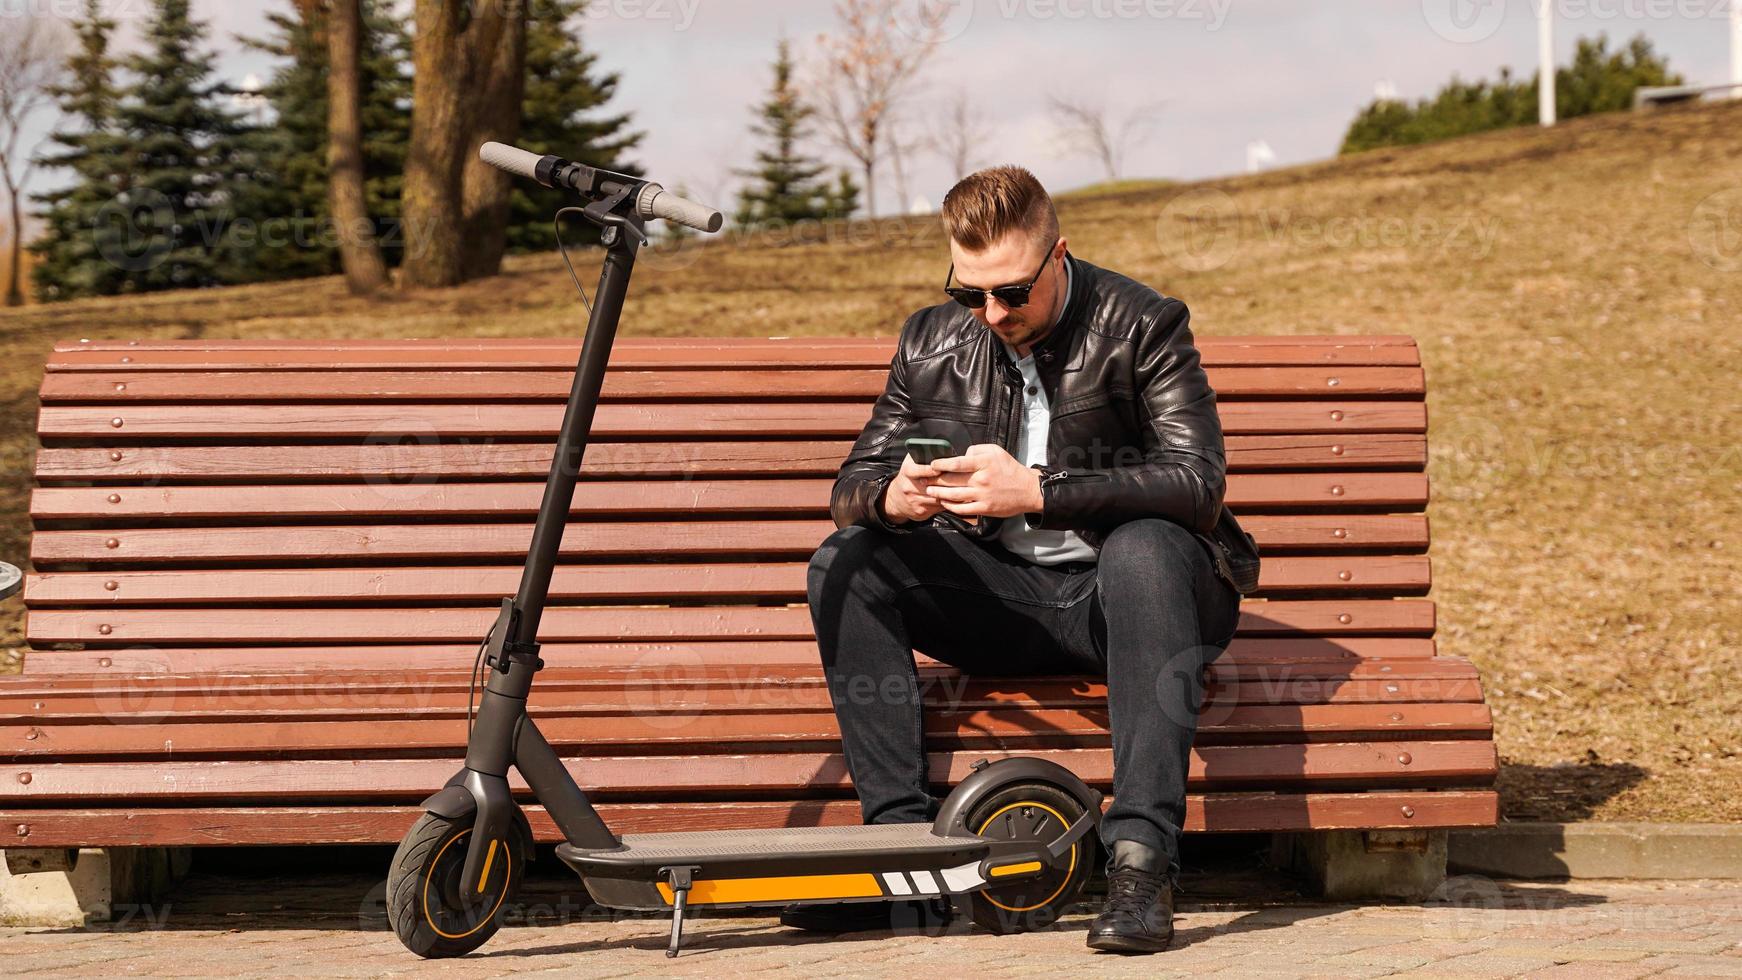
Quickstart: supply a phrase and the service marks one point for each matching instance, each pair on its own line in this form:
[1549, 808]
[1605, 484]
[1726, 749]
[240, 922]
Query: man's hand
[906, 499]
[986, 481]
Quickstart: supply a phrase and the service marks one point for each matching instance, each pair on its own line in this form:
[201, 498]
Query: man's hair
[986, 205]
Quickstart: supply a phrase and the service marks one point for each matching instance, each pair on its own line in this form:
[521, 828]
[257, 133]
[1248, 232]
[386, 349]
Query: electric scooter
[1012, 835]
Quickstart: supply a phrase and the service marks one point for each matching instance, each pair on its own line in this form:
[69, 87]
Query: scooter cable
[557, 223]
[472, 685]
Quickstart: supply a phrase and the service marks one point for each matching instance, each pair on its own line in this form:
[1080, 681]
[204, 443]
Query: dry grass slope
[1578, 304]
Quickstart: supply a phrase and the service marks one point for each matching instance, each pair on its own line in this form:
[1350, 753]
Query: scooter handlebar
[657, 202]
[653, 201]
[513, 159]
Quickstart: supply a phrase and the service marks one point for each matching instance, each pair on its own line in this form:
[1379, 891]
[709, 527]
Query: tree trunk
[359, 251]
[14, 288]
[484, 190]
[458, 61]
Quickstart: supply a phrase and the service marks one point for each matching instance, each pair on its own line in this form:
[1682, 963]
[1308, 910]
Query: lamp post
[1545, 58]
[1736, 49]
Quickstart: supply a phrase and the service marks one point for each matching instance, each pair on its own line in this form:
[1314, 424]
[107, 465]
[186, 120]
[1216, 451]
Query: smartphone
[927, 451]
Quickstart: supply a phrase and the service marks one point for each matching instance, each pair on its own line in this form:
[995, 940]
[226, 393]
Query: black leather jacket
[1134, 428]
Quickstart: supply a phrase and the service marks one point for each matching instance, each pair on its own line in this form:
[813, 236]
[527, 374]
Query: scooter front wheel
[434, 913]
[1033, 812]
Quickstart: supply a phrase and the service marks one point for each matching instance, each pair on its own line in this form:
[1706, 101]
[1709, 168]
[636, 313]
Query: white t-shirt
[1043, 547]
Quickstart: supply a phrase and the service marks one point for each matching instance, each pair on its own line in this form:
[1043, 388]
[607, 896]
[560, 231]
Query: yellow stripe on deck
[793, 888]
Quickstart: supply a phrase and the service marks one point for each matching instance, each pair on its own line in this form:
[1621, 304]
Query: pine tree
[295, 195]
[296, 143]
[786, 185]
[564, 90]
[190, 164]
[69, 257]
[841, 200]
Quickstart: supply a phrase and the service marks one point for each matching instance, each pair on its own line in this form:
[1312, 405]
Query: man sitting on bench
[1079, 530]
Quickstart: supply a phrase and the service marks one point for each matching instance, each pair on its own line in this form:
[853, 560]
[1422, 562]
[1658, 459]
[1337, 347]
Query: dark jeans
[1148, 616]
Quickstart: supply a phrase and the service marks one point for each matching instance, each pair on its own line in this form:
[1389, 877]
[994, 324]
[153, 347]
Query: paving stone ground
[1238, 924]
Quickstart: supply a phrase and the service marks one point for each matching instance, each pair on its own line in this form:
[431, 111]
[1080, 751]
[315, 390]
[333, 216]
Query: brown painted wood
[734, 660]
[400, 463]
[1324, 692]
[1375, 764]
[402, 698]
[425, 421]
[127, 626]
[644, 352]
[1355, 575]
[693, 728]
[861, 384]
[228, 826]
[1249, 492]
[479, 543]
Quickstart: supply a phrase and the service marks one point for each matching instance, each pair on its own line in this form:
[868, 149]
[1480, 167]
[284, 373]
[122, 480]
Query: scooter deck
[875, 844]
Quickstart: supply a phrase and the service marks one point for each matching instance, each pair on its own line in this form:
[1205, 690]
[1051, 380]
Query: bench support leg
[104, 884]
[1365, 864]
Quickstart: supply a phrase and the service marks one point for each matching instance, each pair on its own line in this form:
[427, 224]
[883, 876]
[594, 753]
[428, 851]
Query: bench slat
[1388, 575]
[351, 699]
[863, 384]
[1246, 492]
[221, 826]
[123, 626]
[694, 730]
[635, 352]
[1365, 763]
[790, 539]
[396, 462]
[732, 661]
[773, 419]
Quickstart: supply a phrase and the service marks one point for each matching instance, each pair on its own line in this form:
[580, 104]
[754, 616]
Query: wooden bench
[262, 570]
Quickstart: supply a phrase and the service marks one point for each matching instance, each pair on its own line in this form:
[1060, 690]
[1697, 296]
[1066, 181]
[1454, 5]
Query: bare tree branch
[1087, 127]
[30, 67]
[866, 70]
[958, 134]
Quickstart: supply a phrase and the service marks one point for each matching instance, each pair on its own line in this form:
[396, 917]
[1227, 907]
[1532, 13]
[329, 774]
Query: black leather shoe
[925, 915]
[1138, 916]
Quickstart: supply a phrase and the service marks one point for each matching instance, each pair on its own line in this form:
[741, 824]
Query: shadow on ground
[342, 889]
[1564, 793]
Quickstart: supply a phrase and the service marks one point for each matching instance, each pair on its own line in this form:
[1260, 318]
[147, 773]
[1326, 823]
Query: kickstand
[680, 900]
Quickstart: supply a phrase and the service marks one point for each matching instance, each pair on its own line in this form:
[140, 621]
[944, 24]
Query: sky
[1217, 74]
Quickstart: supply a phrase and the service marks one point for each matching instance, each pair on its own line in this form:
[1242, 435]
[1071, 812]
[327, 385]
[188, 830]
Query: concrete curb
[1598, 850]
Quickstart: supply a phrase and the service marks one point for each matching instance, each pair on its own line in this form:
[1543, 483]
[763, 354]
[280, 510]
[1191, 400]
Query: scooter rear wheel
[1037, 812]
[431, 910]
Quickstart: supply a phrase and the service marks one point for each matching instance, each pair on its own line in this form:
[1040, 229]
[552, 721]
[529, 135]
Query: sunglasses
[1011, 296]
